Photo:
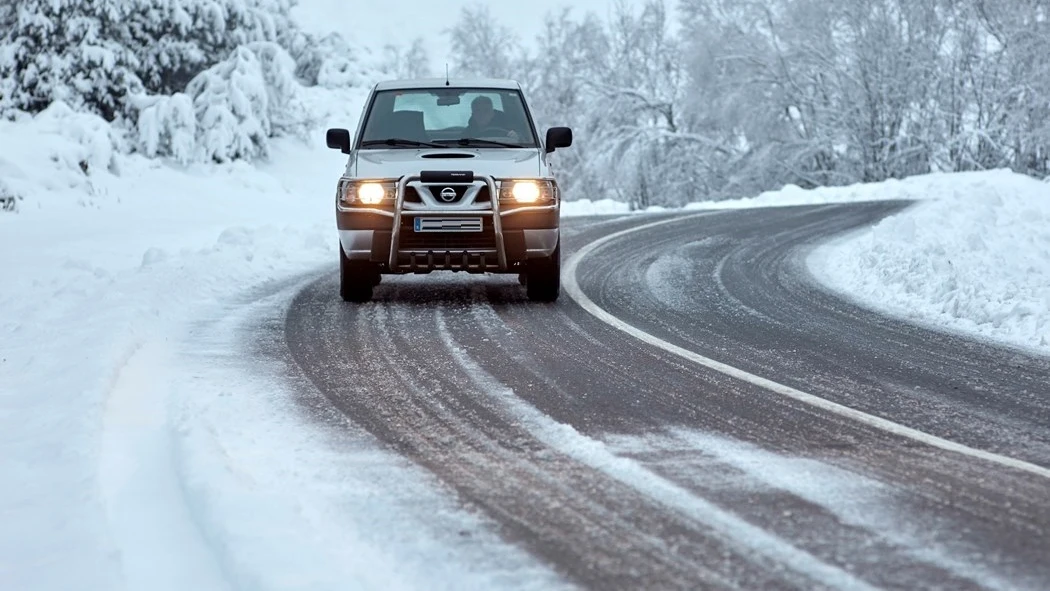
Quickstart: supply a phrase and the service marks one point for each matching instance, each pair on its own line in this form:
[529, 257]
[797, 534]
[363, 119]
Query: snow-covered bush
[60, 155]
[232, 108]
[167, 126]
[228, 112]
[240, 102]
[92, 144]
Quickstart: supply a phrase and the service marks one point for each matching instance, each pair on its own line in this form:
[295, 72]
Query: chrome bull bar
[461, 256]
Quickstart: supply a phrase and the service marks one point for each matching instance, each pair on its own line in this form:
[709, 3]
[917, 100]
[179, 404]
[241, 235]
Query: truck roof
[497, 83]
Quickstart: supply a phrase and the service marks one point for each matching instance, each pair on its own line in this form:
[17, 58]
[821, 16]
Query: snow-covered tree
[1006, 79]
[406, 62]
[639, 90]
[167, 126]
[570, 53]
[483, 47]
[332, 62]
[8, 18]
[231, 106]
[67, 50]
[240, 102]
[177, 39]
[282, 87]
[92, 54]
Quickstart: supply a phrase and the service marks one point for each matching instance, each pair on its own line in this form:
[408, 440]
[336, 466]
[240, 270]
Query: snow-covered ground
[973, 257]
[138, 447]
[132, 431]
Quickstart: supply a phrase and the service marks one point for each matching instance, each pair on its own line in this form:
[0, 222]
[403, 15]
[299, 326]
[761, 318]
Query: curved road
[626, 465]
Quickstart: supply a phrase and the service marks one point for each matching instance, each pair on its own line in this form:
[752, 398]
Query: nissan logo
[448, 194]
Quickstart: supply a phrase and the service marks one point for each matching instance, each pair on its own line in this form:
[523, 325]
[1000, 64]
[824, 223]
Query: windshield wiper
[395, 141]
[466, 141]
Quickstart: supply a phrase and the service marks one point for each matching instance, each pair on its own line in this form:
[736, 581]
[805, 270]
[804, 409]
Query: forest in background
[670, 102]
[727, 98]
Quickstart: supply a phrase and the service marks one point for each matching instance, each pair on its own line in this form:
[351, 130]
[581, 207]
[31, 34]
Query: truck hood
[498, 162]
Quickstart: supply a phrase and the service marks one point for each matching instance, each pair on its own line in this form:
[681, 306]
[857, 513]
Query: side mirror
[338, 139]
[558, 137]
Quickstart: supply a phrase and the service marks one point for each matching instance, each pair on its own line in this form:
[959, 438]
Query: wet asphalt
[501, 400]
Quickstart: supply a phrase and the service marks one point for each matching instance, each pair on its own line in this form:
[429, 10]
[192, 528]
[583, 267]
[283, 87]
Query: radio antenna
[447, 83]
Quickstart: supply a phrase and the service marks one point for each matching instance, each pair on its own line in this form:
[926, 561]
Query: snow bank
[56, 153]
[973, 257]
[912, 188]
[584, 207]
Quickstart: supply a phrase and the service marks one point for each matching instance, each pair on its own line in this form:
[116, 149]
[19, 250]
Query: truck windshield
[427, 117]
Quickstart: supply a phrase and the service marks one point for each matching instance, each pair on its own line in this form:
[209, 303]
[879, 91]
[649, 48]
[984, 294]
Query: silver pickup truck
[448, 175]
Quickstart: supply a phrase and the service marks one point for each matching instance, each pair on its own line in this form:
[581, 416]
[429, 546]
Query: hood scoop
[447, 155]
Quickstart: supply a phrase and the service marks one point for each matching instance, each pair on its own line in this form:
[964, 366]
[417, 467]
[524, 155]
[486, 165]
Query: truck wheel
[543, 277]
[356, 279]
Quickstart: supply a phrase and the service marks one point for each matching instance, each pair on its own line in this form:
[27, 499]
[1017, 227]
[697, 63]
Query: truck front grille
[447, 241]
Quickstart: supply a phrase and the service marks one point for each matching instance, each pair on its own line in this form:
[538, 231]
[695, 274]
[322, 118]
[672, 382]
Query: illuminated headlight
[527, 192]
[364, 193]
[371, 193]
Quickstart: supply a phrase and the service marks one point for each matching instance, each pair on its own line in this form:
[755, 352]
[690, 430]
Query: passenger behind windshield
[432, 117]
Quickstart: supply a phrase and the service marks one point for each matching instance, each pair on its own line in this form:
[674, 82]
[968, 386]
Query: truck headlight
[351, 192]
[371, 193]
[527, 192]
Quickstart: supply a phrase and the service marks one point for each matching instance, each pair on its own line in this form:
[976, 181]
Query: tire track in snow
[157, 536]
[293, 496]
[566, 440]
[409, 391]
[896, 534]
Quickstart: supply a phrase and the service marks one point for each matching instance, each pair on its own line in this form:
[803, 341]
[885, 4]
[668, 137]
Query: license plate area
[431, 224]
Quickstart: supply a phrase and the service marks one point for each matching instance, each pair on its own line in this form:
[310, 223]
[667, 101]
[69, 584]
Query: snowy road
[623, 465]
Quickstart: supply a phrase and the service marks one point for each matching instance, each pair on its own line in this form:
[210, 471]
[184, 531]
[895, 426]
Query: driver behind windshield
[486, 121]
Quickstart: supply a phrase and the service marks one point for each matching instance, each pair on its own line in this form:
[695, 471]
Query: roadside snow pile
[975, 257]
[912, 188]
[95, 267]
[58, 153]
[583, 207]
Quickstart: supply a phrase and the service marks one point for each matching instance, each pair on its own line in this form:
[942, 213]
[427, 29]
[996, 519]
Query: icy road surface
[621, 465]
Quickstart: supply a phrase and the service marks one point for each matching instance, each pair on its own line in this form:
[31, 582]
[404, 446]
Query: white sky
[377, 22]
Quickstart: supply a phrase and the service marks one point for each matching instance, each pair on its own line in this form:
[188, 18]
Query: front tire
[356, 279]
[543, 277]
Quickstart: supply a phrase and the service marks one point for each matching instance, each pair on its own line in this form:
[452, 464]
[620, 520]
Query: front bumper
[510, 236]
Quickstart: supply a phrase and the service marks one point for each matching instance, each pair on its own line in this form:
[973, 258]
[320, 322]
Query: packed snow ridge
[973, 257]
